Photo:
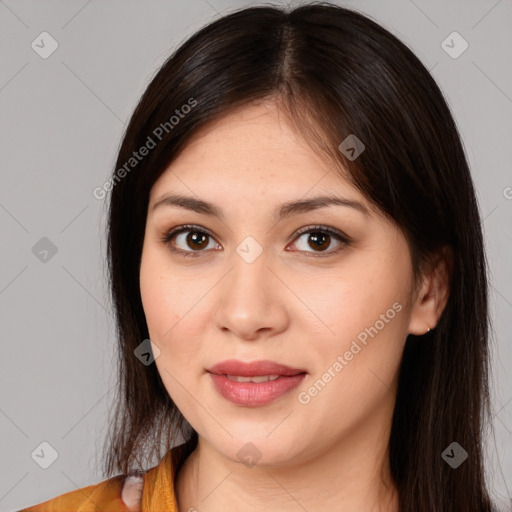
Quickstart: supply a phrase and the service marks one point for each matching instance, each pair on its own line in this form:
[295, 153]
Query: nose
[251, 300]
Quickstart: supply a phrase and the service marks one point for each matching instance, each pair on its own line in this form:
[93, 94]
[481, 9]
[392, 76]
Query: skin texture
[286, 306]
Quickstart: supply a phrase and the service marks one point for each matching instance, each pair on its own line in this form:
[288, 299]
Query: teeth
[256, 379]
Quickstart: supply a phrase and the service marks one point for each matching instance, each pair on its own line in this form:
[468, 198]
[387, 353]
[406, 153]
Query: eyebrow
[285, 210]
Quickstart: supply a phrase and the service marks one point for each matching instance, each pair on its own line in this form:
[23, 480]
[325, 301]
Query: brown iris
[319, 240]
[197, 240]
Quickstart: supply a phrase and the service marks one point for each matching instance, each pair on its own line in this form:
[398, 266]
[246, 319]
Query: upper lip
[253, 368]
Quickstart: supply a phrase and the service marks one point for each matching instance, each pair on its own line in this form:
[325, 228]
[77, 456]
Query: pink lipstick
[256, 383]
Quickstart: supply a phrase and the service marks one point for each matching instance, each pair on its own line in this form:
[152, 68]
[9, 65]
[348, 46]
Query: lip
[254, 394]
[253, 368]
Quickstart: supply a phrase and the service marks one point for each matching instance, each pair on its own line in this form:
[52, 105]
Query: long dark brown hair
[335, 72]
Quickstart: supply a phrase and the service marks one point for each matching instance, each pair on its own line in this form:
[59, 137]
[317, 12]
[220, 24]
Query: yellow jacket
[149, 491]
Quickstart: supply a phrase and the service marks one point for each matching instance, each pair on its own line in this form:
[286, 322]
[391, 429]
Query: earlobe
[432, 296]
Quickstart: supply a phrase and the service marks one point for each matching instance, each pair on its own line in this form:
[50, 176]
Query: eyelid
[339, 235]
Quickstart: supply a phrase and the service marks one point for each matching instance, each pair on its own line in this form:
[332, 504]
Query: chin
[261, 449]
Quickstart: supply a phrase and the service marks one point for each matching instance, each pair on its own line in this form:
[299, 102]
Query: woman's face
[254, 289]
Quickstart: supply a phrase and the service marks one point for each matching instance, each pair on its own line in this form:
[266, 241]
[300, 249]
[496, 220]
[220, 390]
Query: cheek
[156, 300]
[160, 303]
[162, 292]
[173, 314]
[353, 303]
[366, 311]
[354, 372]
[165, 308]
[174, 326]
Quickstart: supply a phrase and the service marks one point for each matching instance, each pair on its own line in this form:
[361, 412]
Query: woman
[298, 272]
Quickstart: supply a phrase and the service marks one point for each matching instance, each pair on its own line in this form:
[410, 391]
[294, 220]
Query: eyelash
[338, 235]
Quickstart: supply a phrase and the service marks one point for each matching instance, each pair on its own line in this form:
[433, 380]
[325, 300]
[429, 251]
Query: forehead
[253, 150]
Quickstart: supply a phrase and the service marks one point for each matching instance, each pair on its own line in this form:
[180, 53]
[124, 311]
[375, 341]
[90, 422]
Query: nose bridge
[250, 297]
[249, 281]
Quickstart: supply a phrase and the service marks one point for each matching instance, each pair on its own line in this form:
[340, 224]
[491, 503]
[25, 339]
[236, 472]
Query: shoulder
[121, 493]
[139, 490]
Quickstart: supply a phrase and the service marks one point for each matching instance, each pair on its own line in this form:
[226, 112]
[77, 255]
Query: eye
[319, 238]
[188, 236]
[194, 240]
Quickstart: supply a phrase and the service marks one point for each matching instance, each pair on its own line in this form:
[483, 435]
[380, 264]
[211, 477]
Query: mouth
[254, 384]
[271, 369]
[254, 378]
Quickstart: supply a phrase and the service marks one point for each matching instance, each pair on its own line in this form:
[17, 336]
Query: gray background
[61, 124]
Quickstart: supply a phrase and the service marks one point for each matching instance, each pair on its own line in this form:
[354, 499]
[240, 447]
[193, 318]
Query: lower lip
[254, 394]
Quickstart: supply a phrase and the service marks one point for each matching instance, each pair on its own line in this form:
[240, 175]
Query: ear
[432, 294]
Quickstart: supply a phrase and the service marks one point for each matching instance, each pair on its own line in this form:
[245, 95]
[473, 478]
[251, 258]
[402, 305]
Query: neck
[352, 475]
